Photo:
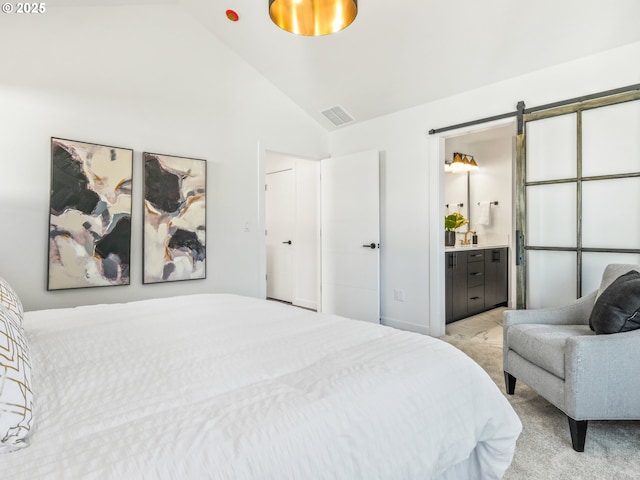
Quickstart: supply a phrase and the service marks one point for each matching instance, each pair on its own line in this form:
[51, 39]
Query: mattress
[228, 387]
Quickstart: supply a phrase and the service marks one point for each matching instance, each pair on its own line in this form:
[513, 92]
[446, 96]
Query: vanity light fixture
[313, 17]
[462, 162]
[470, 162]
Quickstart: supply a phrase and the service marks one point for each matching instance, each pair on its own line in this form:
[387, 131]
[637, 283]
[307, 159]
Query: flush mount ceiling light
[462, 162]
[313, 17]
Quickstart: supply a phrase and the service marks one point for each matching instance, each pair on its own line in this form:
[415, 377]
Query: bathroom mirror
[456, 194]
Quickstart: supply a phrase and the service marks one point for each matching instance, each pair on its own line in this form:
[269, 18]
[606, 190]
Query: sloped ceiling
[402, 53]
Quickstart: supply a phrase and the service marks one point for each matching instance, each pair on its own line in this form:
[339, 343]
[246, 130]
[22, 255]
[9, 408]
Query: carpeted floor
[543, 451]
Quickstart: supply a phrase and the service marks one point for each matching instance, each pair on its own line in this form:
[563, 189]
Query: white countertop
[459, 248]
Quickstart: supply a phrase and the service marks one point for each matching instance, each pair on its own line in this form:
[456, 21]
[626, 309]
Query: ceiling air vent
[337, 116]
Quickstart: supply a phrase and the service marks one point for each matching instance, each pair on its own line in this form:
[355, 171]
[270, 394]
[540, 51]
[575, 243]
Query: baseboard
[400, 325]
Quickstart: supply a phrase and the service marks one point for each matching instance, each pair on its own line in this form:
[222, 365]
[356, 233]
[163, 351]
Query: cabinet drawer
[476, 274]
[477, 256]
[475, 302]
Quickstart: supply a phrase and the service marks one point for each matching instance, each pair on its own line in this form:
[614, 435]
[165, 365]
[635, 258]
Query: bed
[222, 386]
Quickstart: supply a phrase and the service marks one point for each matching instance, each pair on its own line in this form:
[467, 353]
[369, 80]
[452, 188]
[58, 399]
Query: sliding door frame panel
[574, 106]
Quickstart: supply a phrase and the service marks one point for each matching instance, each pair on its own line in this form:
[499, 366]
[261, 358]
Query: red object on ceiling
[232, 15]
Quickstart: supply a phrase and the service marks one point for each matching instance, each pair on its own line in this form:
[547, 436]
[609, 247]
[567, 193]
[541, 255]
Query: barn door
[578, 191]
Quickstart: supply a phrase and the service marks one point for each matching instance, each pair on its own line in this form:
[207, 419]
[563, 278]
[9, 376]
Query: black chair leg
[509, 383]
[578, 430]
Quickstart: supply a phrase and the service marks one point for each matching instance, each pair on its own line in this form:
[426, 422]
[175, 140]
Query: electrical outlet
[398, 295]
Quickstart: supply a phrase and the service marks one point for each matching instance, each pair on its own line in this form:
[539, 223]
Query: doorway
[291, 189]
[493, 145]
[312, 284]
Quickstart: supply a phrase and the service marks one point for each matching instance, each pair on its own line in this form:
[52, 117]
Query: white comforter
[227, 387]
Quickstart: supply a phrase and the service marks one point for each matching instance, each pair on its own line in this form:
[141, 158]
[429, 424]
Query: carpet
[543, 451]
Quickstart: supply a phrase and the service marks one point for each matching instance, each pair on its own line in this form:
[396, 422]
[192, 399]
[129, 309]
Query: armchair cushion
[617, 309]
[544, 345]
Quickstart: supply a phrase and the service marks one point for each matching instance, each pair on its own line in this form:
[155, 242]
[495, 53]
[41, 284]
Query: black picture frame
[175, 218]
[89, 215]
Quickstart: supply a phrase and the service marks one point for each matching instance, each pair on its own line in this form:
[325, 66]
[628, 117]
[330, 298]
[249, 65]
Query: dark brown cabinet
[496, 268]
[475, 281]
[455, 277]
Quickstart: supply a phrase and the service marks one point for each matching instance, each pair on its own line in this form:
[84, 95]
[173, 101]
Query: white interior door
[350, 232]
[280, 222]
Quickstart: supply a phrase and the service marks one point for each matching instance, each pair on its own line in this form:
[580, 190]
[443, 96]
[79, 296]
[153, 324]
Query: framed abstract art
[89, 215]
[175, 198]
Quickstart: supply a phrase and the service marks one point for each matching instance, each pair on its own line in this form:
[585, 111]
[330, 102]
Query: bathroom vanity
[476, 280]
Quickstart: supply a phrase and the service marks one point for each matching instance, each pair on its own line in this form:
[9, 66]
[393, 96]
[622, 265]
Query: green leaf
[454, 221]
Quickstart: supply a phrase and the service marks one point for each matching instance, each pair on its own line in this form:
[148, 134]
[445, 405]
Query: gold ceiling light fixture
[461, 162]
[313, 17]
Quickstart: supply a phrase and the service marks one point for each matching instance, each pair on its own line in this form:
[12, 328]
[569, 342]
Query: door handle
[287, 242]
[371, 246]
[519, 247]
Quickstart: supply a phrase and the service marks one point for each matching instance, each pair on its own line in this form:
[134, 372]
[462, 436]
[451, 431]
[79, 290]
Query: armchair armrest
[574, 313]
[601, 376]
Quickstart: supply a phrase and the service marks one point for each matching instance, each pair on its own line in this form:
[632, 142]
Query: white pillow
[16, 397]
[9, 298]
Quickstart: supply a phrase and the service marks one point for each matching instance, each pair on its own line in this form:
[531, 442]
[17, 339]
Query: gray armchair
[587, 376]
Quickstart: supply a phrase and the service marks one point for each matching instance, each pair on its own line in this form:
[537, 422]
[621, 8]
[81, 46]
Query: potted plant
[451, 223]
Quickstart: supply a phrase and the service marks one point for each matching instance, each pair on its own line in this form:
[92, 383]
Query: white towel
[485, 213]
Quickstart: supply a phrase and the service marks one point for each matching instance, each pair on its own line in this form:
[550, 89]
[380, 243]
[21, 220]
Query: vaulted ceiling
[402, 53]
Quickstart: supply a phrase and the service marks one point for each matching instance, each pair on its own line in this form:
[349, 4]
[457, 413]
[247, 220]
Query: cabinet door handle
[475, 274]
[474, 298]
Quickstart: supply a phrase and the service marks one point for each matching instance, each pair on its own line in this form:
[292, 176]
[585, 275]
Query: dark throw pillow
[617, 309]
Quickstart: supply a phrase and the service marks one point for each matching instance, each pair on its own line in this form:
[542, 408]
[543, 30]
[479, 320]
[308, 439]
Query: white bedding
[228, 387]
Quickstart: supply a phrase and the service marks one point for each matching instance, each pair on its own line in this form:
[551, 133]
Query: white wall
[455, 194]
[148, 78]
[404, 142]
[492, 183]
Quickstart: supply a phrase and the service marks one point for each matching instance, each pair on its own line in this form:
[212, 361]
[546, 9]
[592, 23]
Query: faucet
[465, 241]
